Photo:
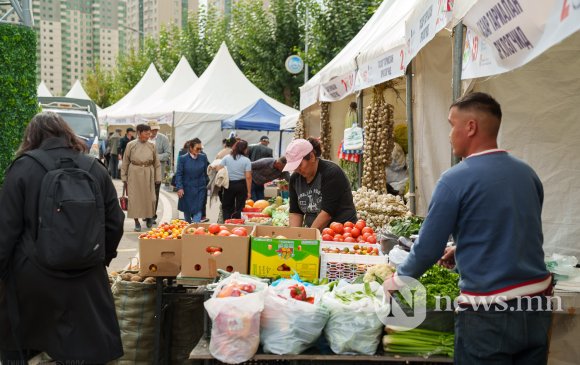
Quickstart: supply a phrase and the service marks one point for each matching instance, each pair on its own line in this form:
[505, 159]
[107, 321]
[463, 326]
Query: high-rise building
[225, 6]
[146, 17]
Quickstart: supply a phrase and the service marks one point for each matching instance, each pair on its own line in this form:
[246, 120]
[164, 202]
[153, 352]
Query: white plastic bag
[353, 138]
[290, 326]
[235, 333]
[353, 328]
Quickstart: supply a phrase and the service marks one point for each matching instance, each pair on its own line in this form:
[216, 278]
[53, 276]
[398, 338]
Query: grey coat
[72, 318]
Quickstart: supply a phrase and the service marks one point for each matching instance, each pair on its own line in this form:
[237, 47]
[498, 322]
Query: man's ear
[471, 127]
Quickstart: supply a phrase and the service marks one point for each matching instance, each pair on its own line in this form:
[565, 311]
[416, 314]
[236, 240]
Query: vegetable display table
[201, 352]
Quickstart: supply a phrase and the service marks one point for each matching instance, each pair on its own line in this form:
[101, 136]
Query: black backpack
[71, 215]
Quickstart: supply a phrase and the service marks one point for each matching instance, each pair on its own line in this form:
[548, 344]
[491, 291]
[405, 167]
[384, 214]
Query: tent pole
[173, 142]
[410, 142]
[457, 66]
[280, 145]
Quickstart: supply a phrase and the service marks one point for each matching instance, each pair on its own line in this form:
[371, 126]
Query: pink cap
[295, 152]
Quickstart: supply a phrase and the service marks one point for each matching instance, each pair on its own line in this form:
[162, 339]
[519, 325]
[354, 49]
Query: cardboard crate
[159, 257]
[299, 251]
[198, 263]
[336, 266]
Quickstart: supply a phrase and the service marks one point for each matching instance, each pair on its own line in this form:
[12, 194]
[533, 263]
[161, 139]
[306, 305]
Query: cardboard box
[159, 257]
[198, 263]
[272, 257]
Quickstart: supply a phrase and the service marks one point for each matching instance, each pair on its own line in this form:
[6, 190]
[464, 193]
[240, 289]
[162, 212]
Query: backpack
[71, 215]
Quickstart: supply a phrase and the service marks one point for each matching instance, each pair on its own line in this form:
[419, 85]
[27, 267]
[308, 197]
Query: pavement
[167, 210]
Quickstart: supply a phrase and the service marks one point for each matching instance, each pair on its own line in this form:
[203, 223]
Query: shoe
[204, 219]
[137, 228]
[149, 222]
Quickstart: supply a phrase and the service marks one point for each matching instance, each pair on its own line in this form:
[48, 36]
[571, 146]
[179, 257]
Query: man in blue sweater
[491, 203]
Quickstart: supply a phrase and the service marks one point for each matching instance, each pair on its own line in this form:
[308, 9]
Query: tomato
[336, 227]
[355, 232]
[360, 224]
[367, 230]
[346, 234]
[213, 228]
[199, 230]
[338, 238]
[372, 239]
[348, 224]
[347, 229]
[349, 239]
[328, 231]
[223, 228]
[327, 237]
[365, 236]
[360, 239]
[240, 231]
[224, 232]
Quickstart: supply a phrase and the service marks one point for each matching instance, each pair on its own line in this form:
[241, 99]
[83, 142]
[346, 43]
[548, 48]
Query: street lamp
[141, 34]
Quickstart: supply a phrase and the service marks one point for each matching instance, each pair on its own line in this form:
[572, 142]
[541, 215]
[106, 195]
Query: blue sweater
[492, 205]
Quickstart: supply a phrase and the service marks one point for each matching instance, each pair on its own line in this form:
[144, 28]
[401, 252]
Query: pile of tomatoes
[166, 231]
[349, 232]
[217, 230]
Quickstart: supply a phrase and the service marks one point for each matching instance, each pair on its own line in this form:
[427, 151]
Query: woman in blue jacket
[191, 181]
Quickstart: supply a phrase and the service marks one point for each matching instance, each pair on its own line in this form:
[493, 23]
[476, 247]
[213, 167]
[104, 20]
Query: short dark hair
[282, 160]
[143, 128]
[194, 142]
[239, 149]
[479, 101]
[231, 141]
[316, 147]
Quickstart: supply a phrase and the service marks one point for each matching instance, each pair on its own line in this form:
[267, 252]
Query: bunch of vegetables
[350, 167]
[235, 289]
[378, 209]
[418, 342]
[378, 142]
[325, 130]
[298, 292]
[406, 227]
[349, 297]
[438, 282]
[299, 130]
[378, 273]
[128, 276]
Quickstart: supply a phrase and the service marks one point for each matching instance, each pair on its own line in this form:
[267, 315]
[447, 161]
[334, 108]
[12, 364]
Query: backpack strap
[43, 159]
[85, 162]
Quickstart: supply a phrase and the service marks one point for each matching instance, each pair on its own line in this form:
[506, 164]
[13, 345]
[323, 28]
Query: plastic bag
[397, 256]
[353, 328]
[290, 326]
[353, 138]
[235, 334]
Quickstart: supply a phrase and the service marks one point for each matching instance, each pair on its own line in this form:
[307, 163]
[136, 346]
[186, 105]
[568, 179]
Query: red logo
[565, 11]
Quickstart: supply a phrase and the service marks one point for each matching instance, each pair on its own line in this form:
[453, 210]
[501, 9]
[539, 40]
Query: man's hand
[119, 157]
[448, 258]
[180, 193]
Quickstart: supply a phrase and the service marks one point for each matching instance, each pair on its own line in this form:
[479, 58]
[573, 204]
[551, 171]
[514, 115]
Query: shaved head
[482, 108]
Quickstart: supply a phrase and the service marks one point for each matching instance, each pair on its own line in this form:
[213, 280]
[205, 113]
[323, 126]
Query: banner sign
[308, 97]
[337, 88]
[384, 68]
[426, 21]
[514, 32]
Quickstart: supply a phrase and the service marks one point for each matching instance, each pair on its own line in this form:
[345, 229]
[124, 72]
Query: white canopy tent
[42, 90]
[221, 92]
[116, 114]
[78, 92]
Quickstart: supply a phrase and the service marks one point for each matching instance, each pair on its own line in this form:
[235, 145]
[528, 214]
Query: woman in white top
[240, 180]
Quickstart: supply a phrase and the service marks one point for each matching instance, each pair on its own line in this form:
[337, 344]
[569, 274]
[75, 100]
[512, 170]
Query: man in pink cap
[320, 192]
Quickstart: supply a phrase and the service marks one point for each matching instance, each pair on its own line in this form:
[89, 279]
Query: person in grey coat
[71, 318]
[113, 149]
[163, 148]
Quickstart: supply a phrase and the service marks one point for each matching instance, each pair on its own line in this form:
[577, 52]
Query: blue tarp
[260, 116]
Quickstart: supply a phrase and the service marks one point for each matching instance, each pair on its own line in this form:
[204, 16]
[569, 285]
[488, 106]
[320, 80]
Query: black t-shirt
[329, 191]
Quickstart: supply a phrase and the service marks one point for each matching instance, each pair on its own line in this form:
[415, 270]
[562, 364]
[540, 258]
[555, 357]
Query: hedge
[18, 103]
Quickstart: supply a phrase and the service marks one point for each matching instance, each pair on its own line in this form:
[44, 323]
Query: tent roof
[289, 121]
[260, 116]
[221, 91]
[42, 90]
[149, 83]
[178, 82]
[77, 92]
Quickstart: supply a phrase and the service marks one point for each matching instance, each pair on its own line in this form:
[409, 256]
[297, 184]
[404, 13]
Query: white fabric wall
[432, 94]
[541, 107]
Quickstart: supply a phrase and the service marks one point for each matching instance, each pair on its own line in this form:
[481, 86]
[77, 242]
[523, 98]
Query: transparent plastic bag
[353, 328]
[235, 334]
[290, 326]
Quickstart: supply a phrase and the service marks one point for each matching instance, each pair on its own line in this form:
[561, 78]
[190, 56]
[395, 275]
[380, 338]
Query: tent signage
[384, 68]
[337, 88]
[294, 64]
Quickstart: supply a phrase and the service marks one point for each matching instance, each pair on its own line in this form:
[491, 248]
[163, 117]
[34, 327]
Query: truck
[81, 116]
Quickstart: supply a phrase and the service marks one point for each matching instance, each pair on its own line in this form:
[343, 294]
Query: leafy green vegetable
[419, 342]
[406, 226]
[438, 282]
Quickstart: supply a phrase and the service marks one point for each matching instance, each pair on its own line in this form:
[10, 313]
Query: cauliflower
[378, 273]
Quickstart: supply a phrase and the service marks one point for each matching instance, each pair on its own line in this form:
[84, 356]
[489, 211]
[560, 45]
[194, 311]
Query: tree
[99, 85]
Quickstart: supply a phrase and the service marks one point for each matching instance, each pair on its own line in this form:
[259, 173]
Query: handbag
[124, 200]
[353, 138]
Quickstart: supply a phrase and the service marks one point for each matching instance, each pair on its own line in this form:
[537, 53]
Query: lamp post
[140, 32]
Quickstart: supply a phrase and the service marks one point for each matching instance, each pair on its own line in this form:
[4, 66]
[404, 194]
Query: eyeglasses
[198, 149]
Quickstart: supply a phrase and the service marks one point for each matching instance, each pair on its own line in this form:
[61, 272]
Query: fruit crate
[336, 266]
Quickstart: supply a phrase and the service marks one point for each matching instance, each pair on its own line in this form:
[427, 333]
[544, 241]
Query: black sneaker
[204, 219]
[137, 228]
[149, 222]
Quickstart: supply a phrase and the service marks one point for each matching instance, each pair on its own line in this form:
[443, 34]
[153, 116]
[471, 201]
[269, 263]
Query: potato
[149, 280]
[137, 278]
[126, 276]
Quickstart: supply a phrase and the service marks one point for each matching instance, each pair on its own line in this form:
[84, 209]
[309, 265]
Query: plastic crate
[336, 266]
[263, 219]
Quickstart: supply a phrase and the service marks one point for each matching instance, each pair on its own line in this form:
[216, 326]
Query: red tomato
[372, 239]
[328, 231]
[360, 239]
[338, 238]
[336, 227]
[214, 228]
[327, 237]
[240, 231]
[365, 236]
[347, 229]
[223, 228]
[348, 224]
[349, 239]
[347, 234]
[355, 232]
[199, 230]
[367, 230]
[224, 232]
[360, 224]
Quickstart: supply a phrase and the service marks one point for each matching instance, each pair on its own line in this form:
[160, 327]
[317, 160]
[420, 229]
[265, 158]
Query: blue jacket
[191, 176]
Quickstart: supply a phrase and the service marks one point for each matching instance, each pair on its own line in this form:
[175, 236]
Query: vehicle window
[82, 125]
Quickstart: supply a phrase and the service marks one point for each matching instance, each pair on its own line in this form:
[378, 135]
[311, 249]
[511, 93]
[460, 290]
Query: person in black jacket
[70, 317]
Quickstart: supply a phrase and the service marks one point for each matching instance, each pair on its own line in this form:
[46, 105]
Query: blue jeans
[501, 337]
[257, 192]
[191, 217]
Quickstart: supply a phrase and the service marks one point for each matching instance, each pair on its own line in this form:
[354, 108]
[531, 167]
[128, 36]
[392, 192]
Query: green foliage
[406, 227]
[401, 137]
[18, 92]
[99, 85]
